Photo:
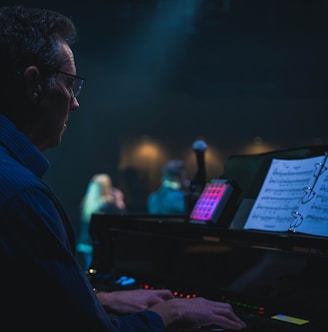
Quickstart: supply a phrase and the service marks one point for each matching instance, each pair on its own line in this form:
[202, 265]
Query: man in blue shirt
[43, 287]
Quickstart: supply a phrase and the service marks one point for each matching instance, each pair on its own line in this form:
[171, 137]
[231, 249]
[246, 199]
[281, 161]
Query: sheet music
[294, 195]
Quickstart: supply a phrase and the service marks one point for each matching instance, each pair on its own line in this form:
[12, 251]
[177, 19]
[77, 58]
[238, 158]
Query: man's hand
[129, 301]
[198, 312]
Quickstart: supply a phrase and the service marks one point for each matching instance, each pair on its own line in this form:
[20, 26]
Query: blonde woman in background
[100, 197]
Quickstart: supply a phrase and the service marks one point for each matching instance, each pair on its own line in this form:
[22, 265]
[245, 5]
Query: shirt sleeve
[43, 285]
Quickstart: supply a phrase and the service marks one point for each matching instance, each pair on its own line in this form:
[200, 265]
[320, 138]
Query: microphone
[200, 147]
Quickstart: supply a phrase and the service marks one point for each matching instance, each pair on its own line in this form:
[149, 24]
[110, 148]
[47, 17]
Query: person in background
[43, 286]
[100, 197]
[119, 199]
[170, 197]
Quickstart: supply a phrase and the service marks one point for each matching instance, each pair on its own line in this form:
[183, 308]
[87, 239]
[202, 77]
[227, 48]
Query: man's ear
[32, 84]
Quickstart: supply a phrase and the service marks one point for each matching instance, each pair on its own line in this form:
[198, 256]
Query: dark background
[235, 72]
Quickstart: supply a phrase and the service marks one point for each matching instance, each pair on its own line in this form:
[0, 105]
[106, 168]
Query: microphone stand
[197, 184]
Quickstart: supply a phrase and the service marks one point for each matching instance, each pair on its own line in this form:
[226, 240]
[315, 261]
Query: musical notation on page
[293, 197]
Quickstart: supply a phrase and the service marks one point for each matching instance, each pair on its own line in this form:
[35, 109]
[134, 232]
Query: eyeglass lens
[77, 86]
[77, 83]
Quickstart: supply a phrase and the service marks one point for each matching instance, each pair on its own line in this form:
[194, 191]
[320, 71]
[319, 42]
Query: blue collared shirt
[43, 287]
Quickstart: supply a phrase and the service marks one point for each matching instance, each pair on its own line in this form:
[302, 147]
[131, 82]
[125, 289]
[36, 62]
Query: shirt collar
[21, 148]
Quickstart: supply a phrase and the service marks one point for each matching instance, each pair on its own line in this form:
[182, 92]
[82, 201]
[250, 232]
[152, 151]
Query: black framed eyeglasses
[77, 83]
